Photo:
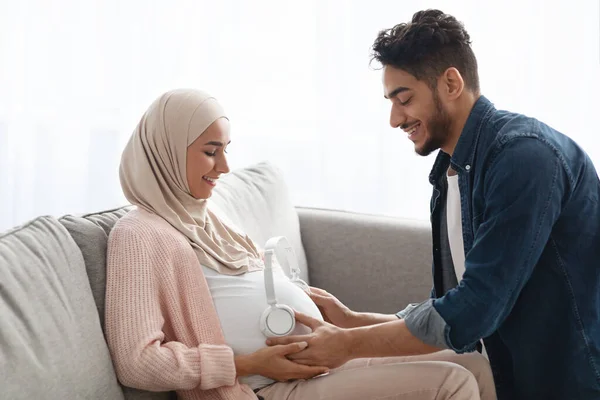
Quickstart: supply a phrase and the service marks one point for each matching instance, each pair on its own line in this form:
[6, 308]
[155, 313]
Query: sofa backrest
[371, 263]
[51, 342]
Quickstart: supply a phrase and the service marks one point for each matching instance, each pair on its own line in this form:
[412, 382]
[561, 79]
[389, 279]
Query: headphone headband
[282, 249]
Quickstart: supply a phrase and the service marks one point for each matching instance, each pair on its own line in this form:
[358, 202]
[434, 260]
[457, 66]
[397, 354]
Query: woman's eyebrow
[213, 143]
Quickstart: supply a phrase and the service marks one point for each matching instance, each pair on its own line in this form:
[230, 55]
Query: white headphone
[279, 319]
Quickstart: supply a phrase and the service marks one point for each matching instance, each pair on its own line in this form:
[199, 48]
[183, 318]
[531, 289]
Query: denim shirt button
[467, 167]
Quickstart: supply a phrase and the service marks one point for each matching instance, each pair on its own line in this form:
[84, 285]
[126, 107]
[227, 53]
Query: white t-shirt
[455, 233]
[454, 222]
[240, 301]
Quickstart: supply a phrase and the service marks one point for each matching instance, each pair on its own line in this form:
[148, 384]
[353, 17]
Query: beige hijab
[153, 177]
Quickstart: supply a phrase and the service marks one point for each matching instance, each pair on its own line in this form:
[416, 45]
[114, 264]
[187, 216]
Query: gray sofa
[52, 281]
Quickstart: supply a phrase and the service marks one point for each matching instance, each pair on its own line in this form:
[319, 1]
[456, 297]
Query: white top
[455, 233]
[240, 301]
[454, 222]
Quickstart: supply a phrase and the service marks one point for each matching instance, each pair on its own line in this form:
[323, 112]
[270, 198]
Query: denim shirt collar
[462, 159]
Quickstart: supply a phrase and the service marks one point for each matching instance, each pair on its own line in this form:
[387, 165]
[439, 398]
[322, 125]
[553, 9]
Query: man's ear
[452, 83]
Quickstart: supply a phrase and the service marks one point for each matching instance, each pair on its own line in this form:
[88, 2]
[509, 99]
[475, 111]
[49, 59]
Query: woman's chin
[202, 196]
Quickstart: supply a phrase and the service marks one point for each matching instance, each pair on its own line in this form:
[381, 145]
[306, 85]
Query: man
[515, 217]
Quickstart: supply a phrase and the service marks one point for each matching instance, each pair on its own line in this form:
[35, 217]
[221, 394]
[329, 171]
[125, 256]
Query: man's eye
[404, 103]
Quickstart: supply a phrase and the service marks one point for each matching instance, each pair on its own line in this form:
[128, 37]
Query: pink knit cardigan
[161, 325]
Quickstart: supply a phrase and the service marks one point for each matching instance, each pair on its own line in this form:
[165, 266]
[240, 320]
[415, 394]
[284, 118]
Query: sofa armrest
[371, 263]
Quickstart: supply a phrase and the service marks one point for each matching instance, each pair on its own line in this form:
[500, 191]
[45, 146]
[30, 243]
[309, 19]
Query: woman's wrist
[243, 365]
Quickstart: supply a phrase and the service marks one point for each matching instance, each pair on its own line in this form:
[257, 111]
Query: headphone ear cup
[277, 320]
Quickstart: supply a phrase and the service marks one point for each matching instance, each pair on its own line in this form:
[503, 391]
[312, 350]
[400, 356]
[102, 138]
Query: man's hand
[328, 345]
[273, 362]
[333, 310]
[332, 346]
[336, 313]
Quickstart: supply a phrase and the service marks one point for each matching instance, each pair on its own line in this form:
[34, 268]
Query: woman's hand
[272, 362]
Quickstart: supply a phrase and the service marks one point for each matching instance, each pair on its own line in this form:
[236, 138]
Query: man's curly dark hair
[427, 46]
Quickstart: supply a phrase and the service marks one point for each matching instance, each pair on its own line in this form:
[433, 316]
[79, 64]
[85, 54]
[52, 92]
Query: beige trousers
[437, 376]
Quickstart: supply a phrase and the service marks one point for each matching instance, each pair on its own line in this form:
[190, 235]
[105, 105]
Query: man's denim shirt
[530, 201]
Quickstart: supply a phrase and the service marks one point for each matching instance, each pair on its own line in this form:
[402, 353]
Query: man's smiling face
[416, 109]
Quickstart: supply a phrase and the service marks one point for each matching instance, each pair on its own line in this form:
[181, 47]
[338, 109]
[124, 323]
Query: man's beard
[438, 128]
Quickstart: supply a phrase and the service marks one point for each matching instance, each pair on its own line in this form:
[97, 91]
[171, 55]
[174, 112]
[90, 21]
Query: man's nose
[397, 117]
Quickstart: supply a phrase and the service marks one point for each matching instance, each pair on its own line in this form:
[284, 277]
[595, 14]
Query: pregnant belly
[241, 300]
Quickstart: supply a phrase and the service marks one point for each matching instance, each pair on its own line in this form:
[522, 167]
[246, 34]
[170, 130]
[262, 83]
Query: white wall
[75, 76]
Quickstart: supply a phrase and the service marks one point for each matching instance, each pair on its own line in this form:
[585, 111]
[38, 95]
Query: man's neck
[459, 120]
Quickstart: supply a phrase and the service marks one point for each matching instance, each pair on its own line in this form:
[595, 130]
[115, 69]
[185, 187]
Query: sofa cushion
[51, 342]
[90, 232]
[256, 200]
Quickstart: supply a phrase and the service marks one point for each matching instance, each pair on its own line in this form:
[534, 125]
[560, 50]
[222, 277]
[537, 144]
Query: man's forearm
[367, 319]
[386, 340]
